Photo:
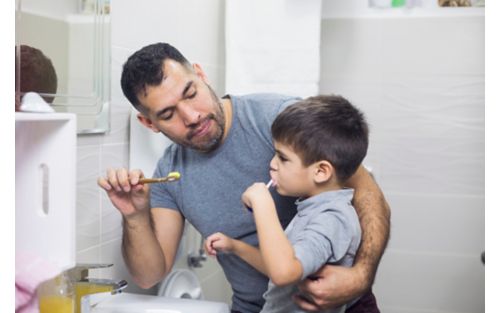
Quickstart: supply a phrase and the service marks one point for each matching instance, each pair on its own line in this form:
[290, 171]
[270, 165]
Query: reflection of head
[145, 68]
[37, 74]
[324, 128]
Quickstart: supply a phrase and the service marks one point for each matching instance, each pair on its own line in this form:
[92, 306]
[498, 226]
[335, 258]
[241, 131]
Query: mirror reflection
[63, 53]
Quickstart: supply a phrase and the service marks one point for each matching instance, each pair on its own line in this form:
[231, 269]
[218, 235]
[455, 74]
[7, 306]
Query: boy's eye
[282, 158]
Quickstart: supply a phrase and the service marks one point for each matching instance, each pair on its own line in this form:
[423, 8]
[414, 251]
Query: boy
[319, 143]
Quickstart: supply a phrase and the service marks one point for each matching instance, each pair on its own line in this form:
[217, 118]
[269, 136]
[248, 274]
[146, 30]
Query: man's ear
[323, 171]
[147, 122]
[200, 73]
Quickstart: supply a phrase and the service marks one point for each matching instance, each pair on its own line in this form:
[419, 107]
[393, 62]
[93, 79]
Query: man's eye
[167, 116]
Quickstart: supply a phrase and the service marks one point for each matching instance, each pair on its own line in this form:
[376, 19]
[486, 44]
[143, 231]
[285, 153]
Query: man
[221, 146]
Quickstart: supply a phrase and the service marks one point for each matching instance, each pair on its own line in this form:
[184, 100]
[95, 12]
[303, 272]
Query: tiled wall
[196, 29]
[420, 82]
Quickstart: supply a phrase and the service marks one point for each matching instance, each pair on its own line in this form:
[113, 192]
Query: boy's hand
[254, 193]
[218, 242]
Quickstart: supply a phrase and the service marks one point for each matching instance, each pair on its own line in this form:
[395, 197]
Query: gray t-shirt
[325, 230]
[209, 192]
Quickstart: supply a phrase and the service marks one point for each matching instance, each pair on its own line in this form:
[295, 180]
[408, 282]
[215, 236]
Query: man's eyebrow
[188, 85]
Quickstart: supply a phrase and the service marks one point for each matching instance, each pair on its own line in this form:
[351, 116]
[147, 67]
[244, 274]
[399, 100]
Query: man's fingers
[305, 303]
[103, 183]
[122, 175]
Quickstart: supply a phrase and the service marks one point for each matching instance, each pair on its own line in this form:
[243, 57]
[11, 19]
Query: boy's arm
[283, 268]
[249, 254]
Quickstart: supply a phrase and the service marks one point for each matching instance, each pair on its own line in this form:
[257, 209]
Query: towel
[273, 46]
[31, 270]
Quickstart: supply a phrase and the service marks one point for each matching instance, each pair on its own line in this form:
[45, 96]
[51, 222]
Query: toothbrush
[269, 184]
[172, 176]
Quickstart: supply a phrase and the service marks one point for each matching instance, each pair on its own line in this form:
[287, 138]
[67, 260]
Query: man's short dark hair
[325, 127]
[145, 68]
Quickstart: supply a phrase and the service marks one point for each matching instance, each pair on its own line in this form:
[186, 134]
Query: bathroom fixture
[195, 259]
[135, 303]
[84, 286]
[79, 47]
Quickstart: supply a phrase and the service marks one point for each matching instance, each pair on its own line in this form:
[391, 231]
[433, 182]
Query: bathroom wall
[199, 34]
[420, 81]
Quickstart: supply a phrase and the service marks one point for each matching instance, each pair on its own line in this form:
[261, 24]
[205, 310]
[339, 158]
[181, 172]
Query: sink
[137, 303]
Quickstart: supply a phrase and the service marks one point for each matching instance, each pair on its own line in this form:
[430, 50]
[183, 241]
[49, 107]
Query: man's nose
[189, 115]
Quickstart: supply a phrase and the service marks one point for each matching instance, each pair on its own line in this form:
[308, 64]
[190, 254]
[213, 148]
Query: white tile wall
[420, 82]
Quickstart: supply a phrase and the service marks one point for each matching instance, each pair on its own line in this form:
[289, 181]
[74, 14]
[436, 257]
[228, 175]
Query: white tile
[113, 156]
[88, 206]
[90, 255]
[430, 283]
[216, 288]
[437, 224]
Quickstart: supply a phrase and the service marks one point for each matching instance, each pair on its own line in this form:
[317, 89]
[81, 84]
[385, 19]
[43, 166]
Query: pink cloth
[31, 270]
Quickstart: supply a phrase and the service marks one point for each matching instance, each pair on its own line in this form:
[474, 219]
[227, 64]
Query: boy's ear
[323, 171]
[146, 121]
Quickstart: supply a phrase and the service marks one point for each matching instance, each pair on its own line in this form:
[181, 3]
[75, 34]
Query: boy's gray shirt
[209, 192]
[325, 230]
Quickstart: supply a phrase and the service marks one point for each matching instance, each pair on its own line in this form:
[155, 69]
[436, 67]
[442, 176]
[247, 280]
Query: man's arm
[336, 285]
[150, 236]
[150, 243]
[374, 216]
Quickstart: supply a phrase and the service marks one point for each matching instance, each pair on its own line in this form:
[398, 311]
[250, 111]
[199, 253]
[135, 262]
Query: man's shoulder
[263, 99]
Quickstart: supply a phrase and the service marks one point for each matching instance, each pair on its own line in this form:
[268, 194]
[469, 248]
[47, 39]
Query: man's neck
[228, 116]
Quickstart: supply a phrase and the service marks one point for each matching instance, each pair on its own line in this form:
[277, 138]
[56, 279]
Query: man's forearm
[374, 216]
[142, 252]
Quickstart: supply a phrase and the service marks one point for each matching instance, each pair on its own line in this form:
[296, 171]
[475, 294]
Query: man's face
[184, 108]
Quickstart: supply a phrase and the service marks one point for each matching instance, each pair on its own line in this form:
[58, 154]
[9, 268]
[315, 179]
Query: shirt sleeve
[326, 239]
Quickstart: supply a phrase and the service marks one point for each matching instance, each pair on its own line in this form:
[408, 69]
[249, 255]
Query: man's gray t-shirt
[325, 230]
[209, 192]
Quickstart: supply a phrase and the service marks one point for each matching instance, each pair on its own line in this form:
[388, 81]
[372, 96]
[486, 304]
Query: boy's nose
[272, 164]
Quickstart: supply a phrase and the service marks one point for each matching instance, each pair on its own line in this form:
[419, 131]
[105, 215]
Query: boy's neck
[331, 185]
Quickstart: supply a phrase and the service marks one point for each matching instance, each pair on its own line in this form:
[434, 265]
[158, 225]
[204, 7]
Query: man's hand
[125, 192]
[331, 287]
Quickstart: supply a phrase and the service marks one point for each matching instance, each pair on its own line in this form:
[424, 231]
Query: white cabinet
[45, 186]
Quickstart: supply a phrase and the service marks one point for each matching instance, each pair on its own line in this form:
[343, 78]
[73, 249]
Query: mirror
[74, 35]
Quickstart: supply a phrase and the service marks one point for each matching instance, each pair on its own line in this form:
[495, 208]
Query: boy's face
[290, 176]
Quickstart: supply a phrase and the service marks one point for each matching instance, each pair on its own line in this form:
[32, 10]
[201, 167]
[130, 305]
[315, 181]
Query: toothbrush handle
[151, 180]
